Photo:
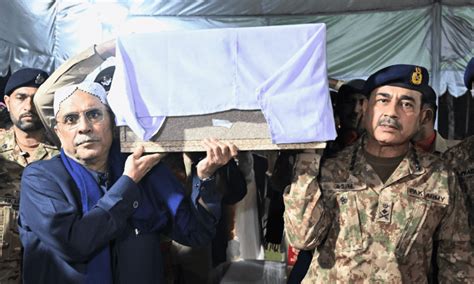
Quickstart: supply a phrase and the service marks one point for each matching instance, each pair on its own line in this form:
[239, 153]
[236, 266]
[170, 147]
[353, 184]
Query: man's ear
[6, 99]
[427, 115]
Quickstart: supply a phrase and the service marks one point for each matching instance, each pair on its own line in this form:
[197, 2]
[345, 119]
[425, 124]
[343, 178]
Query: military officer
[373, 212]
[25, 141]
[427, 138]
[22, 144]
[461, 157]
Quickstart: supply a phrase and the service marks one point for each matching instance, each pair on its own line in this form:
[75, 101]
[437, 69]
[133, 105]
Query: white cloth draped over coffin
[280, 70]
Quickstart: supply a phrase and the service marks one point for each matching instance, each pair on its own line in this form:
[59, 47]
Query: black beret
[352, 87]
[26, 77]
[402, 75]
[105, 77]
[469, 74]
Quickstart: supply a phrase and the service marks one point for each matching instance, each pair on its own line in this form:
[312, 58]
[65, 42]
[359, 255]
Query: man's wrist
[209, 178]
[203, 172]
[204, 176]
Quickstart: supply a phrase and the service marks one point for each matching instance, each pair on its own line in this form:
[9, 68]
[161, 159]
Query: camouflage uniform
[11, 151]
[10, 249]
[12, 163]
[461, 159]
[367, 231]
[442, 145]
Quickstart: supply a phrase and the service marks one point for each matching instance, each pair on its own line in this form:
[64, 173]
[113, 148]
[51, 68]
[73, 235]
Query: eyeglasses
[71, 120]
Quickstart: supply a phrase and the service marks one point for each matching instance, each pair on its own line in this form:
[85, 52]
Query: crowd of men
[389, 201]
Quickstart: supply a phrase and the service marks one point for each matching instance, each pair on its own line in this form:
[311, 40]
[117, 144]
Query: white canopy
[363, 36]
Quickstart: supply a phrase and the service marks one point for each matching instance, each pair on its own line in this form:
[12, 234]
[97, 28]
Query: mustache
[28, 113]
[388, 121]
[85, 139]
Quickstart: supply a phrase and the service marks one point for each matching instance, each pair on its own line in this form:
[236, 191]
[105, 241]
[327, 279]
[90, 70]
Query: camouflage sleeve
[306, 219]
[455, 254]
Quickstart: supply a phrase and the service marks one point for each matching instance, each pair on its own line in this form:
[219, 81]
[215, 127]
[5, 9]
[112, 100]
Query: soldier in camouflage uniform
[10, 150]
[19, 146]
[461, 157]
[374, 211]
[427, 138]
[24, 142]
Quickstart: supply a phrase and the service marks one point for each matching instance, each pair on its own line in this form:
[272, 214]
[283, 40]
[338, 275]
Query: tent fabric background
[362, 36]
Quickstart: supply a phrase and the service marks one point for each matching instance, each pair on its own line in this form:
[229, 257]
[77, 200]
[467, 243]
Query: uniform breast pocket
[350, 237]
[344, 198]
[417, 213]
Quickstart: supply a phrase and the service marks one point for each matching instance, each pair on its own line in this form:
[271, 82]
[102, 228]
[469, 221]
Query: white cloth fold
[278, 69]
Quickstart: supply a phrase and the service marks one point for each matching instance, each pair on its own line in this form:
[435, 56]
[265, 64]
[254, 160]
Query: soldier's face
[22, 111]
[84, 128]
[352, 111]
[393, 115]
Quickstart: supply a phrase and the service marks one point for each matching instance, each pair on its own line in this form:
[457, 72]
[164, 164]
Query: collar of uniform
[411, 159]
[440, 144]
[8, 140]
[359, 169]
[357, 160]
[9, 144]
[410, 165]
[40, 152]
[411, 162]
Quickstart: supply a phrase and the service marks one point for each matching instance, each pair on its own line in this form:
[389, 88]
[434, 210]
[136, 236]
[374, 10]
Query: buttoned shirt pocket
[422, 213]
[417, 223]
[350, 212]
[413, 225]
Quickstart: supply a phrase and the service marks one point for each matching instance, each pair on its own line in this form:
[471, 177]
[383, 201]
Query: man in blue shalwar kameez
[93, 215]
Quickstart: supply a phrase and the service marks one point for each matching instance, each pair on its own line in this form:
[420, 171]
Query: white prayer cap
[92, 88]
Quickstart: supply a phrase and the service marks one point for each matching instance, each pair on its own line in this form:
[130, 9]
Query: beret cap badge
[39, 79]
[105, 81]
[416, 76]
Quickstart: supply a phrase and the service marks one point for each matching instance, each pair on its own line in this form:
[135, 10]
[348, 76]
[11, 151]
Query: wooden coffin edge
[127, 144]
